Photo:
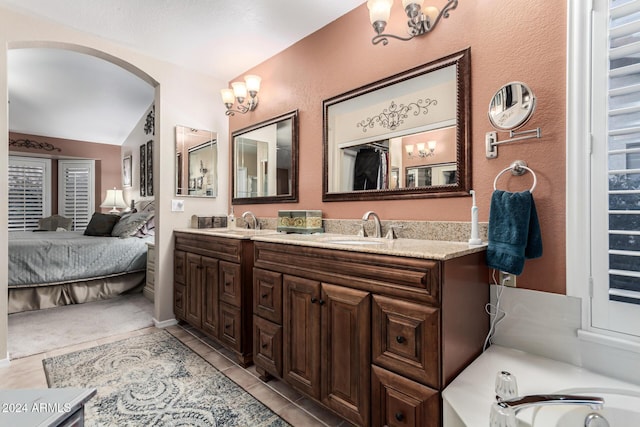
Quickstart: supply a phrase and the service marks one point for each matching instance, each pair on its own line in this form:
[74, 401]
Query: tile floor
[293, 407]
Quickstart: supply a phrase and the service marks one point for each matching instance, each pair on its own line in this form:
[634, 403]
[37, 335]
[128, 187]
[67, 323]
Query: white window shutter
[29, 192]
[76, 191]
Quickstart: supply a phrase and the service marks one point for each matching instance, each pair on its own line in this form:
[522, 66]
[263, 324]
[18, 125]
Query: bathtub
[468, 399]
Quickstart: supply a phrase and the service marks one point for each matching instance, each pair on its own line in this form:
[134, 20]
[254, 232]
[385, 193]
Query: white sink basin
[621, 408]
[239, 231]
[356, 241]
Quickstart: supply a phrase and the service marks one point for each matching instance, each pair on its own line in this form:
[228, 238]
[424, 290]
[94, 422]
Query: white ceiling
[67, 91]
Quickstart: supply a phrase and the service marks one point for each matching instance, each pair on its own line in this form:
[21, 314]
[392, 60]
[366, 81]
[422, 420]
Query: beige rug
[155, 380]
[39, 331]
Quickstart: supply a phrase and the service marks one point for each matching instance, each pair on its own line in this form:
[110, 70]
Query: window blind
[623, 151]
[76, 191]
[29, 184]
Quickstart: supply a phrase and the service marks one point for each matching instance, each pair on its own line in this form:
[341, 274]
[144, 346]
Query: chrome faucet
[256, 224]
[376, 221]
[518, 403]
[503, 412]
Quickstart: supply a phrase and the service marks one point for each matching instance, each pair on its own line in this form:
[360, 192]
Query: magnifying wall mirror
[511, 106]
[265, 161]
[196, 162]
[407, 136]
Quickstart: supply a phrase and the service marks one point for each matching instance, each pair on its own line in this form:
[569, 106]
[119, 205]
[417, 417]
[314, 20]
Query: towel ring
[518, 168]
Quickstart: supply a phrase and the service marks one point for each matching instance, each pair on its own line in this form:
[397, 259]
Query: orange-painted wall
[514, 40]
[108, 165]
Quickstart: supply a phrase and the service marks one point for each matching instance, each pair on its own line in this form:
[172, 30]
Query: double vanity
[371, 328]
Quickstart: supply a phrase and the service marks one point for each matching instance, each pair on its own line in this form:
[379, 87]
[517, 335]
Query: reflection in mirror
[416, 160]
[406, 136]
[196, 162]
[511, 106]
[265, 161]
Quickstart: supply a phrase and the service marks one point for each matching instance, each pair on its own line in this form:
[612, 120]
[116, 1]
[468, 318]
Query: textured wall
[515, 40]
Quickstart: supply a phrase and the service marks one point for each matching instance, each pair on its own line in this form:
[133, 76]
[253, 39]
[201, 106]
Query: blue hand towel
[514, 231]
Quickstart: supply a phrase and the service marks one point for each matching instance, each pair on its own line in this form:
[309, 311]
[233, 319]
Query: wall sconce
[238, 94]
[114, 200]
[421, 19]
[431, 145]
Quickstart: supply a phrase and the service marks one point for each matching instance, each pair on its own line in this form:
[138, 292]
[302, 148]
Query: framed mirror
[265, 161]
[196, 162]
[511, 106]
[407, 136]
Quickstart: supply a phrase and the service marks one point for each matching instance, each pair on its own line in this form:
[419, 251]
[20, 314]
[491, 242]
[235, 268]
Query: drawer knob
[264, 295]
[264, 345]
[314, 300]
[400, 339]
[399, 416]
[321, 302]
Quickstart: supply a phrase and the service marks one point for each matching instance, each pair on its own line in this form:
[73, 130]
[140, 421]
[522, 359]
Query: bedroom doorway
[96, 98]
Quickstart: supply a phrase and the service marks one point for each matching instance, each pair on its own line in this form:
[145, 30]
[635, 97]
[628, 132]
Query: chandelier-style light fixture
[421, 19]
[238, 94]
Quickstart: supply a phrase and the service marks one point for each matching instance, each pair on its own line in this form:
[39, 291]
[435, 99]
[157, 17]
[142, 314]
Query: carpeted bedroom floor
[39, 331]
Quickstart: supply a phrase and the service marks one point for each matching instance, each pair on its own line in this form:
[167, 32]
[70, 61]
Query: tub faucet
[503, 412]
[376, 221]
[518, 403]
[256, 224]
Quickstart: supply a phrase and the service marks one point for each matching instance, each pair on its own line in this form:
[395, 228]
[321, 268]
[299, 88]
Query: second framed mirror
[265, 161]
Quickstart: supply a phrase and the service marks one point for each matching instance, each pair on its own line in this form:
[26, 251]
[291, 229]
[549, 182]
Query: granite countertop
[413, 248]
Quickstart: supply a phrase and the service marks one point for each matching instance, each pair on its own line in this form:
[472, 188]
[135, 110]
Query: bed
[53, 268]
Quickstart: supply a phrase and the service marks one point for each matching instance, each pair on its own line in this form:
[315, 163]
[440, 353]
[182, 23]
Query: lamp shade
[252, 82]
[379, 10]
[239, 89]
[227, 96]
[114, 200]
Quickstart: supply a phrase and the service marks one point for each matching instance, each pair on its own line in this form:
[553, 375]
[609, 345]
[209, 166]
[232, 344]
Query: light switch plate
[177, 205]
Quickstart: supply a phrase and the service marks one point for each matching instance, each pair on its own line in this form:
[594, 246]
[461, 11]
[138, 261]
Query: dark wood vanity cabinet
[213, 289]
[373, 337]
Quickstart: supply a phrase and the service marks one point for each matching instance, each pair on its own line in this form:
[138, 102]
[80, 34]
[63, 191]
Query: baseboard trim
[164, 323]
[5, 363]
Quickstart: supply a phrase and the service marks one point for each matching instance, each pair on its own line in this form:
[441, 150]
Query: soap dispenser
[231, 219]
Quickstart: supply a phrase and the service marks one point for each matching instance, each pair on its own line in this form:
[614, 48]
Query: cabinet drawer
[267, 344]
[399, 402]
[231, 326]
[179, 300]
[406, 339]
[267, 295]
[230, 283]
[180, 267]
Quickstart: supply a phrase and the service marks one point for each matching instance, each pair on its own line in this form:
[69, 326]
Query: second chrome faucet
[256, 223]
[376, 221]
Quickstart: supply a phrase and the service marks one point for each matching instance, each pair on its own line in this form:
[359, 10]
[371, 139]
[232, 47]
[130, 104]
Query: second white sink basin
[364, 241]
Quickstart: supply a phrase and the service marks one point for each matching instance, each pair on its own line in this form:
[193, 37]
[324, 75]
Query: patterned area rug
[156, 380]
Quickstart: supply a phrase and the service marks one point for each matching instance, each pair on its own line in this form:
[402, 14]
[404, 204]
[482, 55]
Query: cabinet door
[345, 357]
[406, 339]
[230, 326]
[400, 402]
[267, 346]
[210, 303]
[230, 283]
[194, 290]
[179, 288]
[267, 295]
[301, 334]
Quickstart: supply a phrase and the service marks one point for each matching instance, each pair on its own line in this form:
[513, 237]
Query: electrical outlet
[508, 279]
